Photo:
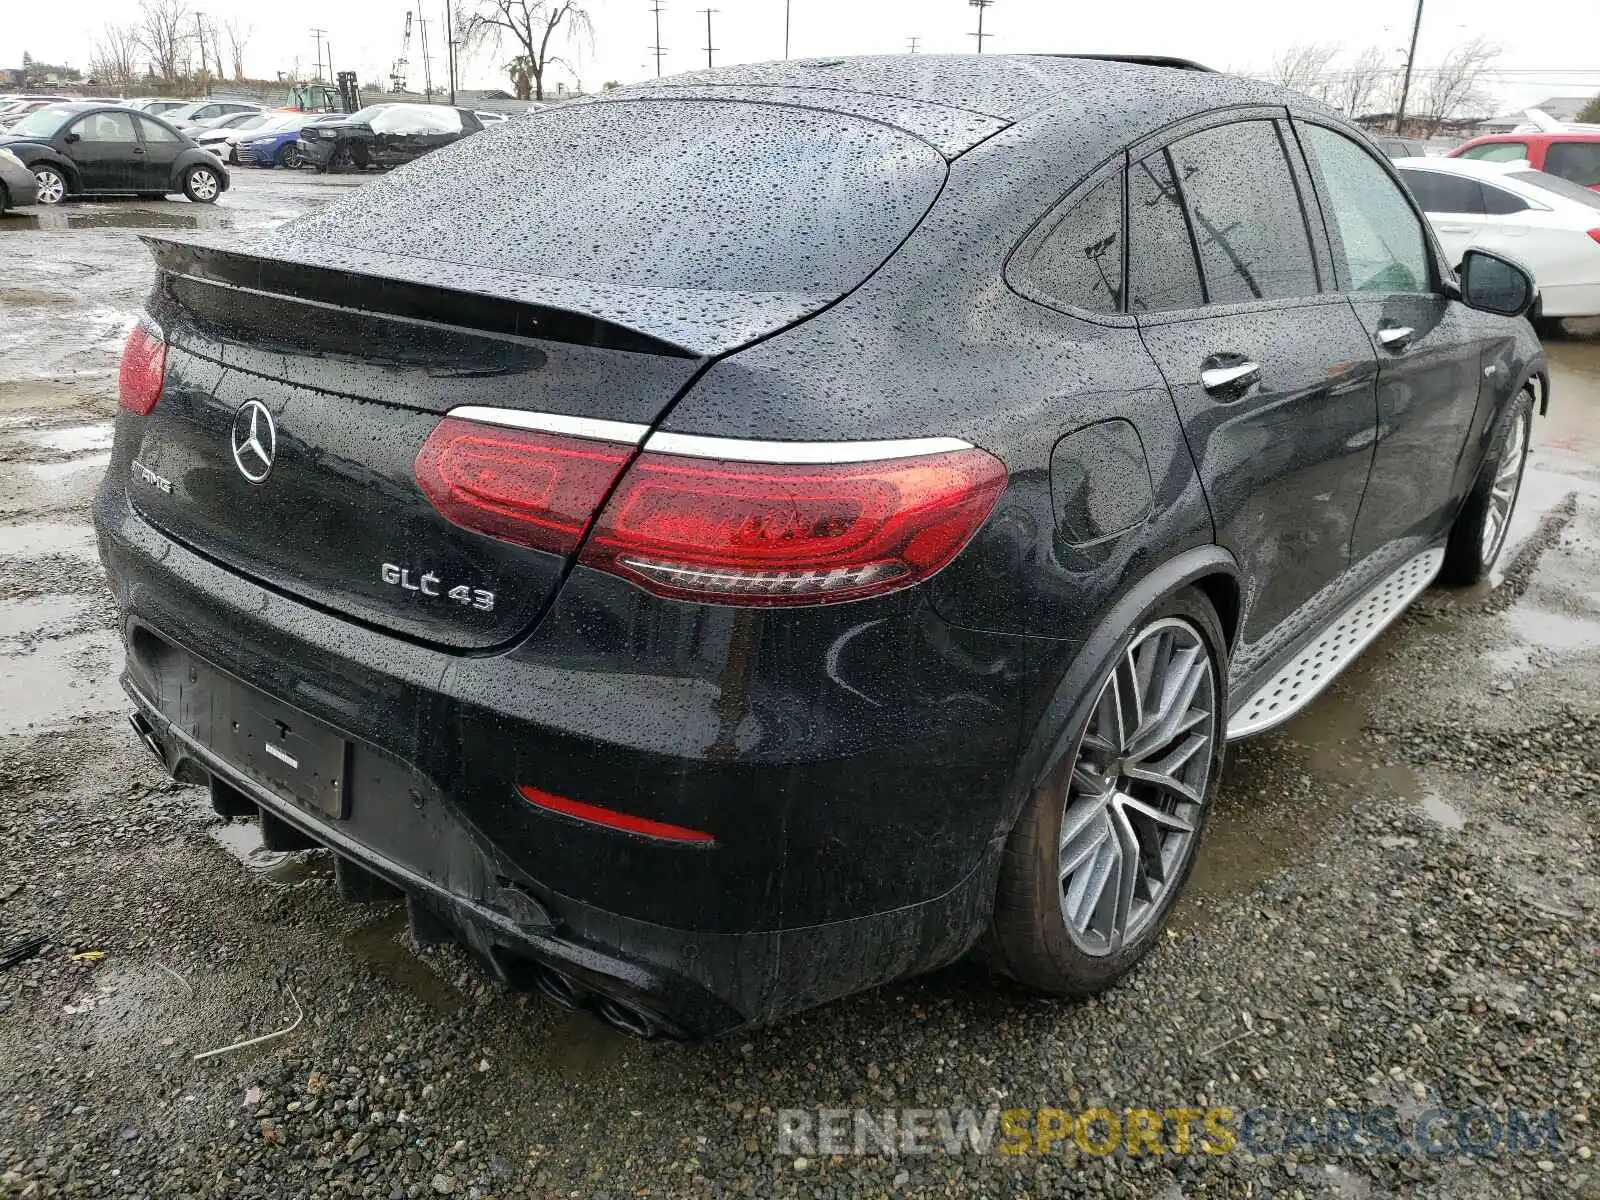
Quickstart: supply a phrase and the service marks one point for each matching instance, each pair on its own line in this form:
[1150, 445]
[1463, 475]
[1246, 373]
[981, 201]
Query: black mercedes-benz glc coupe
[781, 528]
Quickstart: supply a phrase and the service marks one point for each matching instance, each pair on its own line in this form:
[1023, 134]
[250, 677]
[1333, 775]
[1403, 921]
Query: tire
[201, 185]
[1479, 533]
[52, 183]
[1031, 938]
[291, 157]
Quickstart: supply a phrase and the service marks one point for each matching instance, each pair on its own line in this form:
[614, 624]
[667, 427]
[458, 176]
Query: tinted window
[1079, 264]
[106, 127]
[1564, 188]
[724, 196]
[1577, 161]
[1497, 202]
[1437, 192]
[154, 131]
[1246, 213]
[1162, 272]
[1379, 245]
[1497, 151]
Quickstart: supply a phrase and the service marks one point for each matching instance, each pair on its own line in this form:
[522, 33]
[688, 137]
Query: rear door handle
[1455, 228]
[1395, 337]
[138, 150]
[1228, 373]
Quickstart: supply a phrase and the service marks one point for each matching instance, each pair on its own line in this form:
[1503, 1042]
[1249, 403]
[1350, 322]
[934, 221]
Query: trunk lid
[343, 339]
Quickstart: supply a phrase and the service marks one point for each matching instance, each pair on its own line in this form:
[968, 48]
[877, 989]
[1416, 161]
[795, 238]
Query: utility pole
[656, 7]
[1411, 57]
[980, 5]
[449, 53]
[317, 33]
[911, 46]
[427, 67]
[200, 36]
[709, 47]
[786, 30]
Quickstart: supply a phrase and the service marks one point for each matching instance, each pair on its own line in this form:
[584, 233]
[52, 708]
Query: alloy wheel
[1507, 483]
[203, 184]
[291, 157]
[1137, 788]
[52, 187]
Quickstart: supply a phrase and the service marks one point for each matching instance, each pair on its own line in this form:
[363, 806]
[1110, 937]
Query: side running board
[1332, 650]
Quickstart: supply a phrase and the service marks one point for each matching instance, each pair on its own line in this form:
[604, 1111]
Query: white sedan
[1548, 224]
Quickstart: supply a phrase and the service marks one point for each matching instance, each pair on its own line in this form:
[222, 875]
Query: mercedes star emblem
[255, 441]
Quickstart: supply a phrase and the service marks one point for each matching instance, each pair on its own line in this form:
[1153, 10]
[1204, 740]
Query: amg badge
[429, 584]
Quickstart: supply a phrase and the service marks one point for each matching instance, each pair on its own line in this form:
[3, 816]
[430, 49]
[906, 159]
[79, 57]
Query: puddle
[1553, 630]
[112, 218]
[38, 614]
[1441, 812]
[61, 681]
[580, 1045]
[242, 839]
[380, 946]
[50, 471]
[35, 539]
[75, 439]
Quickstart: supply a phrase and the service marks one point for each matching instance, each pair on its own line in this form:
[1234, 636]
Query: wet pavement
[1397, 903]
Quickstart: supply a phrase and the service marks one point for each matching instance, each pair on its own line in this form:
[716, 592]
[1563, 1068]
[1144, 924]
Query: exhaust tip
[559, 988]
[146, 733]
[625, 1018]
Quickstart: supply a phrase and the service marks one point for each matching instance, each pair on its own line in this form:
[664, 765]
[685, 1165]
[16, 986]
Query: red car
[1574, 156]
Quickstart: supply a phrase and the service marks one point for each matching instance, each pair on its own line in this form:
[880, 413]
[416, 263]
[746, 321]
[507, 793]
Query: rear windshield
[1561, 187]
[42, 122]
[662, 193]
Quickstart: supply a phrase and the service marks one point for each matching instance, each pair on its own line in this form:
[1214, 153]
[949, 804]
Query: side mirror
[1495, 284]
[70, 138]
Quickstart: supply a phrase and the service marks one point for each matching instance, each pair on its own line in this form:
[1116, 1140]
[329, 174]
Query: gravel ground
[1397, 908]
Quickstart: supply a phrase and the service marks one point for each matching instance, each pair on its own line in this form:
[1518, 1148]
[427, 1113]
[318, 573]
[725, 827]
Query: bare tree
[1304, 68]
[238, 39]
[1361, 83]
[1459, 85]
[163, 34]
[115, 61]
[531, 25]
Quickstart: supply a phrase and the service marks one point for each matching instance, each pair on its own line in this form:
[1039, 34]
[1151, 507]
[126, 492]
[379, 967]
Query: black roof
[1005, 87]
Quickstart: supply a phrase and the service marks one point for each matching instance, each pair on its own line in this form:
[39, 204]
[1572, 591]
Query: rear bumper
[857, 825]
[1571, 299]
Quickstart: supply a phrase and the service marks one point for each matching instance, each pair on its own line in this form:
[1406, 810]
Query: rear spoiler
[232, 268]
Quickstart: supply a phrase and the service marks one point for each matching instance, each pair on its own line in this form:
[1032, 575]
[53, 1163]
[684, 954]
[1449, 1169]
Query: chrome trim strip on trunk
[695, 445]
[583, 427]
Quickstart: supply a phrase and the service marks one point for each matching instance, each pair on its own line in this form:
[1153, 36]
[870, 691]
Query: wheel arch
[1210, 568]
[60, 162]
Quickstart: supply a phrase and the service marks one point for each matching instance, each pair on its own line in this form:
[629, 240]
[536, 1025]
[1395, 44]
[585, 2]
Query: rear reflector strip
[594, 814]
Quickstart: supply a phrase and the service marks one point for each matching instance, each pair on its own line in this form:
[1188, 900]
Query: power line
[317, 33]
[911, 46]
[709, 46]
[980, 5]
[658, 49]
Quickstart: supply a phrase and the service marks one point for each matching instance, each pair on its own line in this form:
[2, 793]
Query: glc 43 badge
[429, 584]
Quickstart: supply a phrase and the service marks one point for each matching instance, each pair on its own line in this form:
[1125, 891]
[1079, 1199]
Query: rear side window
[1079, 263]
[1577, 161]
[1497, 151]
[1379, 244]
[1246, 212]
[1162, 271]
[1437, 192]
[1498, 202]
[154, 131]
[717, 195]
[1564, 188]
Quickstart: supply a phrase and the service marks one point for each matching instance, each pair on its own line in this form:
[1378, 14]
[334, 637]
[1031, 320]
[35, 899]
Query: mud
[1397, 901]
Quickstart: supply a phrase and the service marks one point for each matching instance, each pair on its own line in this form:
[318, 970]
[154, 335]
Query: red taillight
[143, 370]
[757, 533]
[520, 485]
[1595, 234]
[594, 814]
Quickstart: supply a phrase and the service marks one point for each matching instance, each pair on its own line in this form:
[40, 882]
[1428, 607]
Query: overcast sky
[1548, 44]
